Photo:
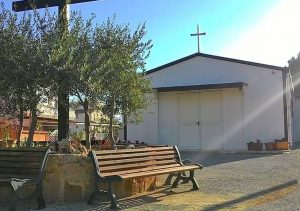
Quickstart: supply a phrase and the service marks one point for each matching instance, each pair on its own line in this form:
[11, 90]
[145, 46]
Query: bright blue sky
[265, 31]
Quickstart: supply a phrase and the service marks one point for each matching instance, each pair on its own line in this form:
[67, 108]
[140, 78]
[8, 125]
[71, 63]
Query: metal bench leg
[169, 178]
[175, 184]
[13, 202]
[113, 198]
[40, 197]
[171, 175]
[192, 178]
[91, 199]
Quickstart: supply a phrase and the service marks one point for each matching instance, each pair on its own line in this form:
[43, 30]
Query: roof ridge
[214, 57]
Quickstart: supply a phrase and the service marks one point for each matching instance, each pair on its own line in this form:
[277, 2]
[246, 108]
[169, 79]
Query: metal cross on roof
[198, 34]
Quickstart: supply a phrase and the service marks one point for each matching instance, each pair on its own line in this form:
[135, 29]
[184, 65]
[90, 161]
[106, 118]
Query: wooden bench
[21, 167]
[117, 165]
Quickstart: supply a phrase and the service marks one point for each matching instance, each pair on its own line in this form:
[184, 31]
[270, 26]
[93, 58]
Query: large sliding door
[206, 120]
[188, 121]
[211, 120]
[167, 119]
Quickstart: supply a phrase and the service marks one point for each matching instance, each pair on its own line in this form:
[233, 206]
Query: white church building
[296, 118]
[207, 102]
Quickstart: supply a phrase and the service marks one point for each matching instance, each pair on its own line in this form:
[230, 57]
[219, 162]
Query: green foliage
[97, 63]
[104, 60]
[294, 65]
[124, 90]
[24, 67]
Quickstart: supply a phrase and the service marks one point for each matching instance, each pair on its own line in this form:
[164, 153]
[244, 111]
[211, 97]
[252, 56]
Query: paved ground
[228, 182]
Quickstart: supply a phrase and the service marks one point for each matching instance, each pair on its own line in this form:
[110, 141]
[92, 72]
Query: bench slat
[133, 160]
[116, 168]
[22, 159]
[12, 164]
[22, 153]
[123, 151]
[133, 155]
[19, 171]
[15, 149]
[138, 170]
[160, 171]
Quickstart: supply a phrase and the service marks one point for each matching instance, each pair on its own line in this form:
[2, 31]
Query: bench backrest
[123, 161]
[23, 162]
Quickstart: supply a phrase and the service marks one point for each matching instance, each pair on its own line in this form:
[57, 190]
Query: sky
[264, 31]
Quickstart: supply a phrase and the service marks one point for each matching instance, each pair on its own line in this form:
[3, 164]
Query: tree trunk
[32, 127]
[63, 114]
[124, 108]
[20, 128]
[111, 118]
[125, 127]
[87, 124]
[63, 92]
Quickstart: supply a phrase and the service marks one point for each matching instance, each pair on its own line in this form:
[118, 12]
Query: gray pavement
[228, 182]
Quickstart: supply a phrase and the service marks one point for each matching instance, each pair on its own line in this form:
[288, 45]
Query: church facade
[296, 117]
[207, 102]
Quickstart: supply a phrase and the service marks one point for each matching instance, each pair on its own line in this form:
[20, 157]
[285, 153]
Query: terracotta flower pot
[281, 145]
[269, 146]
[10, 142]
[255, 146]
[3, 144]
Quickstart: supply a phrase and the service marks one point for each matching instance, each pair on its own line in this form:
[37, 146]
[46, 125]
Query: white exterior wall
[147, 130]
[259, 107]
[297, 119]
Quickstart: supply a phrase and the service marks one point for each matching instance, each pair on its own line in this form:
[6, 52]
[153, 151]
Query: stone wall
[68, 178]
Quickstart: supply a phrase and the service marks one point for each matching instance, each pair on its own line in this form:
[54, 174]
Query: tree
[24, 63]
[12, 81]
[124, 90]
[294, 66]
[79, 57]
[104, 60]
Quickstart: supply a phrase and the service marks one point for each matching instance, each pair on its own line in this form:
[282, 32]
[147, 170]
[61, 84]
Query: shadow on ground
[236, 202]
[211, 159]
[133, 202]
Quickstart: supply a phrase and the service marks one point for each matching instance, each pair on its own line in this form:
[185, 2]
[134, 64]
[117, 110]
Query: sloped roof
[214, 57]
[238, 85]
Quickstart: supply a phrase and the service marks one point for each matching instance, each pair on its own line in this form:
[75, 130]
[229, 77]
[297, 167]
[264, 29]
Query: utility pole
[63, 93]
[198, 34]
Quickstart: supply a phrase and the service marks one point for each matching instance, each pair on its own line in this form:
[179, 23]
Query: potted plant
[10, 142]
[281, 144]
[269, 146]
[255, 146]
[3, 143]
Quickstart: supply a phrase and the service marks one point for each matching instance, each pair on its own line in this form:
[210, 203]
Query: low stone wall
[68, 177]
[71, 177]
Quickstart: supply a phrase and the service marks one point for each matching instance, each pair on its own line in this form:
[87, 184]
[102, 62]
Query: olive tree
[124, 90]
[24, 69]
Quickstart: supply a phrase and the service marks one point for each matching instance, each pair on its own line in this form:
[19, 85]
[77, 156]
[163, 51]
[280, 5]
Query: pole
[63, 91]
[198, 32]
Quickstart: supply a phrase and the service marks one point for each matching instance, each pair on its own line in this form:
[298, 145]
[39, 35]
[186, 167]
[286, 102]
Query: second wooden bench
[116, 165]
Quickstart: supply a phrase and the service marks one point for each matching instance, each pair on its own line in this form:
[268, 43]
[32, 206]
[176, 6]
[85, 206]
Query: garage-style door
[200, 120]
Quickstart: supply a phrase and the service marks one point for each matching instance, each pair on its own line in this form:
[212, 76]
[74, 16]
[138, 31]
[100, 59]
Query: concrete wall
[297, 119]
[262, 101]
[147, 130]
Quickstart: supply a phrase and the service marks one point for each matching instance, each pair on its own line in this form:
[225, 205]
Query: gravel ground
[228, 182]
